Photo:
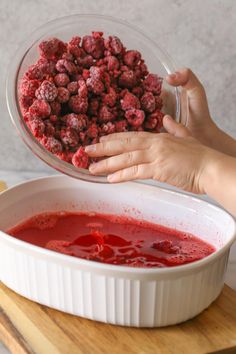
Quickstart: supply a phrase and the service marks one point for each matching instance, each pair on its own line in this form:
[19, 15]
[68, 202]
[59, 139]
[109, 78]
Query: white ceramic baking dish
[114, 294]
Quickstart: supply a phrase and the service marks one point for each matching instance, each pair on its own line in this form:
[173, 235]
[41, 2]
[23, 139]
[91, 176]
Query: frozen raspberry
[34, 73]
[69, 137]
[51, 144]
[128, 79]
[55, 108]
[49, 128]
[108, 128]
[159, 102]
[92, 131]
[85, 74]
[72, 87]
[37, 127]
[129, 101]
[93, 106]
[25, 103]
[40, 109]
[112, 63]
[110, 98]
[131, 58]
[148, 102]
[65, 156]
[53, 118]
[82, 90]
[135, 117]
[105, 114]
[63, 95]
[85, 61]
[80, 159]
[96, 73]
[137, 91]
[121, 126]
[153, 83]
[46, 66]
[143, 69]
[114, 45]
[47, 91]
[93, 45]
[78, 104]
[95, 86]
[74, 47]
[52, 48]
[28, 87]
[66, 66]
[76, 121]
[156, 116]
[61, 79]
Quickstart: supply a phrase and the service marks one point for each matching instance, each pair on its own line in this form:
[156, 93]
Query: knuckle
[129, 157]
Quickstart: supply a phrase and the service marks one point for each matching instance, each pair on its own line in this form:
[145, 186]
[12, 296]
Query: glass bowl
[157, 60]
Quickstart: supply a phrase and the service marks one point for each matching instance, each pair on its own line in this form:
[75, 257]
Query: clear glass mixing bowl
[157, 60]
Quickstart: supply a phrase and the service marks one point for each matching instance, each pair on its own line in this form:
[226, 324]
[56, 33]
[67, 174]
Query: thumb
[174, 128]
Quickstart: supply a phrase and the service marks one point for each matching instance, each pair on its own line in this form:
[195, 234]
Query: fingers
[120, 162]
[117, 136]
[185, 78]
[142, 171]
[174, 128]
[119, 146]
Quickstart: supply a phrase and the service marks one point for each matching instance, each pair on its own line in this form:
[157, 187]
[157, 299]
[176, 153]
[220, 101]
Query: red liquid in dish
[112, 239]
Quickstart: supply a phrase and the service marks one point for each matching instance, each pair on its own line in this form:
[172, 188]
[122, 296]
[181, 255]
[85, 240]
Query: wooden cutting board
[27, 327]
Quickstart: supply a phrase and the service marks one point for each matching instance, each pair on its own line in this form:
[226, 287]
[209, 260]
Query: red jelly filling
[89, 87]
[112, 239]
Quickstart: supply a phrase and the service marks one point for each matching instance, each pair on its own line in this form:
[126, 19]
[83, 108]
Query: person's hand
[195, 112]
[175, 158]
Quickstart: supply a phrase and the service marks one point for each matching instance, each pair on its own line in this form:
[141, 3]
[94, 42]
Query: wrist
[210, 172]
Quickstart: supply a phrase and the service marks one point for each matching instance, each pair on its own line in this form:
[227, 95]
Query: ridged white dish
[114, 294]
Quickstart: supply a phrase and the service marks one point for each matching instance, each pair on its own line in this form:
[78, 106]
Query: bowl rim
[13, 102]
[103, 267]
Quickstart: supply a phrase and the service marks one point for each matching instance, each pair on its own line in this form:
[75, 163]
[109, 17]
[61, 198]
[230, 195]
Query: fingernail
[172, 76]
[90, 148]
[92, 167]
[111, 178]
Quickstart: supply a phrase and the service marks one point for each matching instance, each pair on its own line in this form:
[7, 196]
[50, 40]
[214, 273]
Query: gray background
[200, 34]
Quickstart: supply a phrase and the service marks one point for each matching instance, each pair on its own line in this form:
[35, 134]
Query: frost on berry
[72, 87]
[135, 117]
[63, 95]
[52, 48]
[47, 91]
[129, 101]
[148, 102]
[93, 45]
[78, 104]
[51, 144]
[61, 79]
[114, 45]
[69, 137]
[128, 79]
[66, 66]
[36, 126]
[95, 86]
[25, 103]
[28, 87]
[105, 114]
[78, 122]
[80, 159]
[131, 58]
[40, 109]
[153, 83]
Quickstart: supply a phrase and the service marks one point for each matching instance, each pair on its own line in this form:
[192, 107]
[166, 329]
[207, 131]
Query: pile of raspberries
[89, 87]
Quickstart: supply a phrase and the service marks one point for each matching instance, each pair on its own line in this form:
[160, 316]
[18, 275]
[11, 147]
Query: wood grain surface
[27, 327]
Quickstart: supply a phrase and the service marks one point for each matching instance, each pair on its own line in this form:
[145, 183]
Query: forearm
[220, 181]
[221, 141]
